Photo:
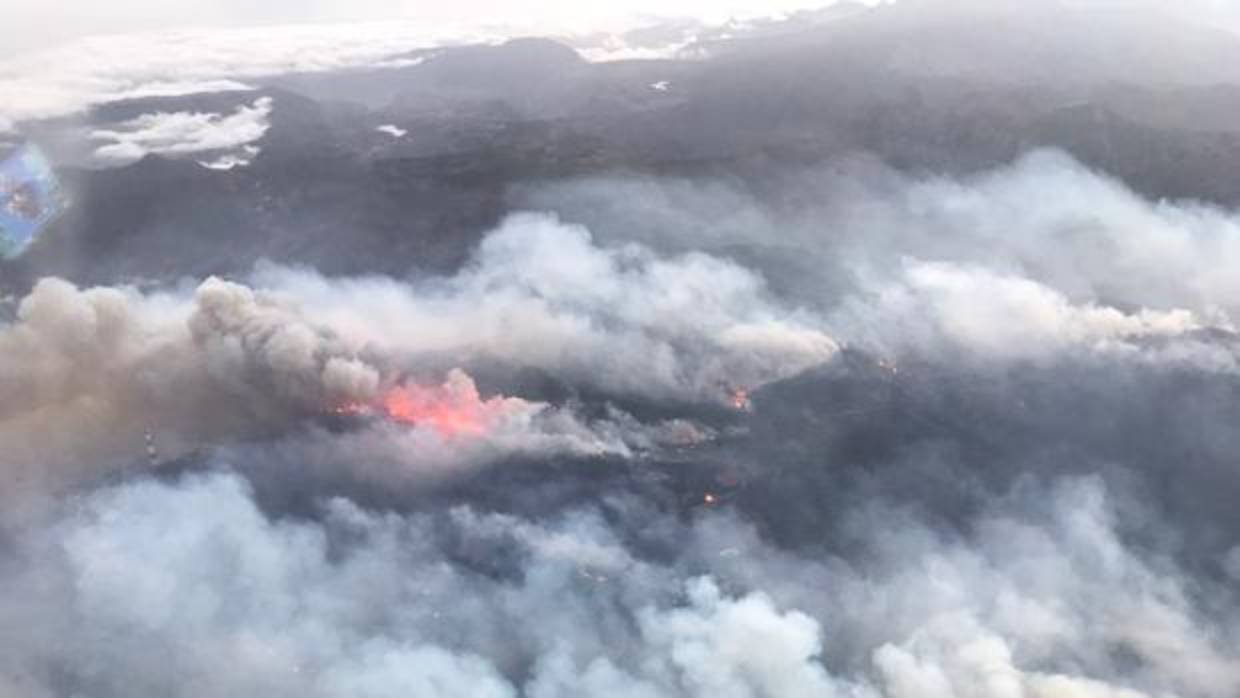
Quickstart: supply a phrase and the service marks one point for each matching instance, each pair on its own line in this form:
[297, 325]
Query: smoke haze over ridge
[697, 376]
[204, 360]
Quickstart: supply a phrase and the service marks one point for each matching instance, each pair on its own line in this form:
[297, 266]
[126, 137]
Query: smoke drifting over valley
[861, 352]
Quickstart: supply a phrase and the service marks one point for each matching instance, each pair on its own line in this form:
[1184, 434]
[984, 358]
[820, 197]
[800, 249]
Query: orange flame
[437, 407]
[453, 409]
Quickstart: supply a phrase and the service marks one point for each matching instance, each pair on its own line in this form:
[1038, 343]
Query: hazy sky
[34, 23]
[44, 71]
[30, 24]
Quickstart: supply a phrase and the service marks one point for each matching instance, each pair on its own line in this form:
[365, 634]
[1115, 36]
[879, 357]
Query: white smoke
[1045, 217]
[88, 372]
[946, 307]
[183, 133]
[1050, 588]
[189, 589]
[1030, 260]
[540, 293]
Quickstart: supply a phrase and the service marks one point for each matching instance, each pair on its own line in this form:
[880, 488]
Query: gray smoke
[886, 437]
[188, 589]
[88, 372]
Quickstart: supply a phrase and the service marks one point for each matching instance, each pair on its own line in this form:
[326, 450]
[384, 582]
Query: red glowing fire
[740, 399]
[453, 408]
[448, 413]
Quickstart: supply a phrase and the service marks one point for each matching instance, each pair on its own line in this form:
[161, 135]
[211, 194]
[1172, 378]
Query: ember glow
[740, 399]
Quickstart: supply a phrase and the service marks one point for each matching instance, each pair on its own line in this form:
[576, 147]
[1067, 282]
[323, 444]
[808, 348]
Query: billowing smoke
[622, 319]
[151, 588]
[89, 372]
[883, 436]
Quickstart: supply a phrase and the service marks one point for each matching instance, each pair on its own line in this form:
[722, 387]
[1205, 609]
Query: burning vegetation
[453, 408]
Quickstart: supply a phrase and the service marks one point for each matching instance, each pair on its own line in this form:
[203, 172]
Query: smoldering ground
[892, 436]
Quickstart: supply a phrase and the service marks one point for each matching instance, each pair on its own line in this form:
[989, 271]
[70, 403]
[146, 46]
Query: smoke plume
[842, 431]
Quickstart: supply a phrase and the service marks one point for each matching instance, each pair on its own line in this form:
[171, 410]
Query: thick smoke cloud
[90, 371]
[1028, 261]
[87, 371]
[1045, 217]
[619, 318]
[188, 584]
[943, 308]
[879, 437]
